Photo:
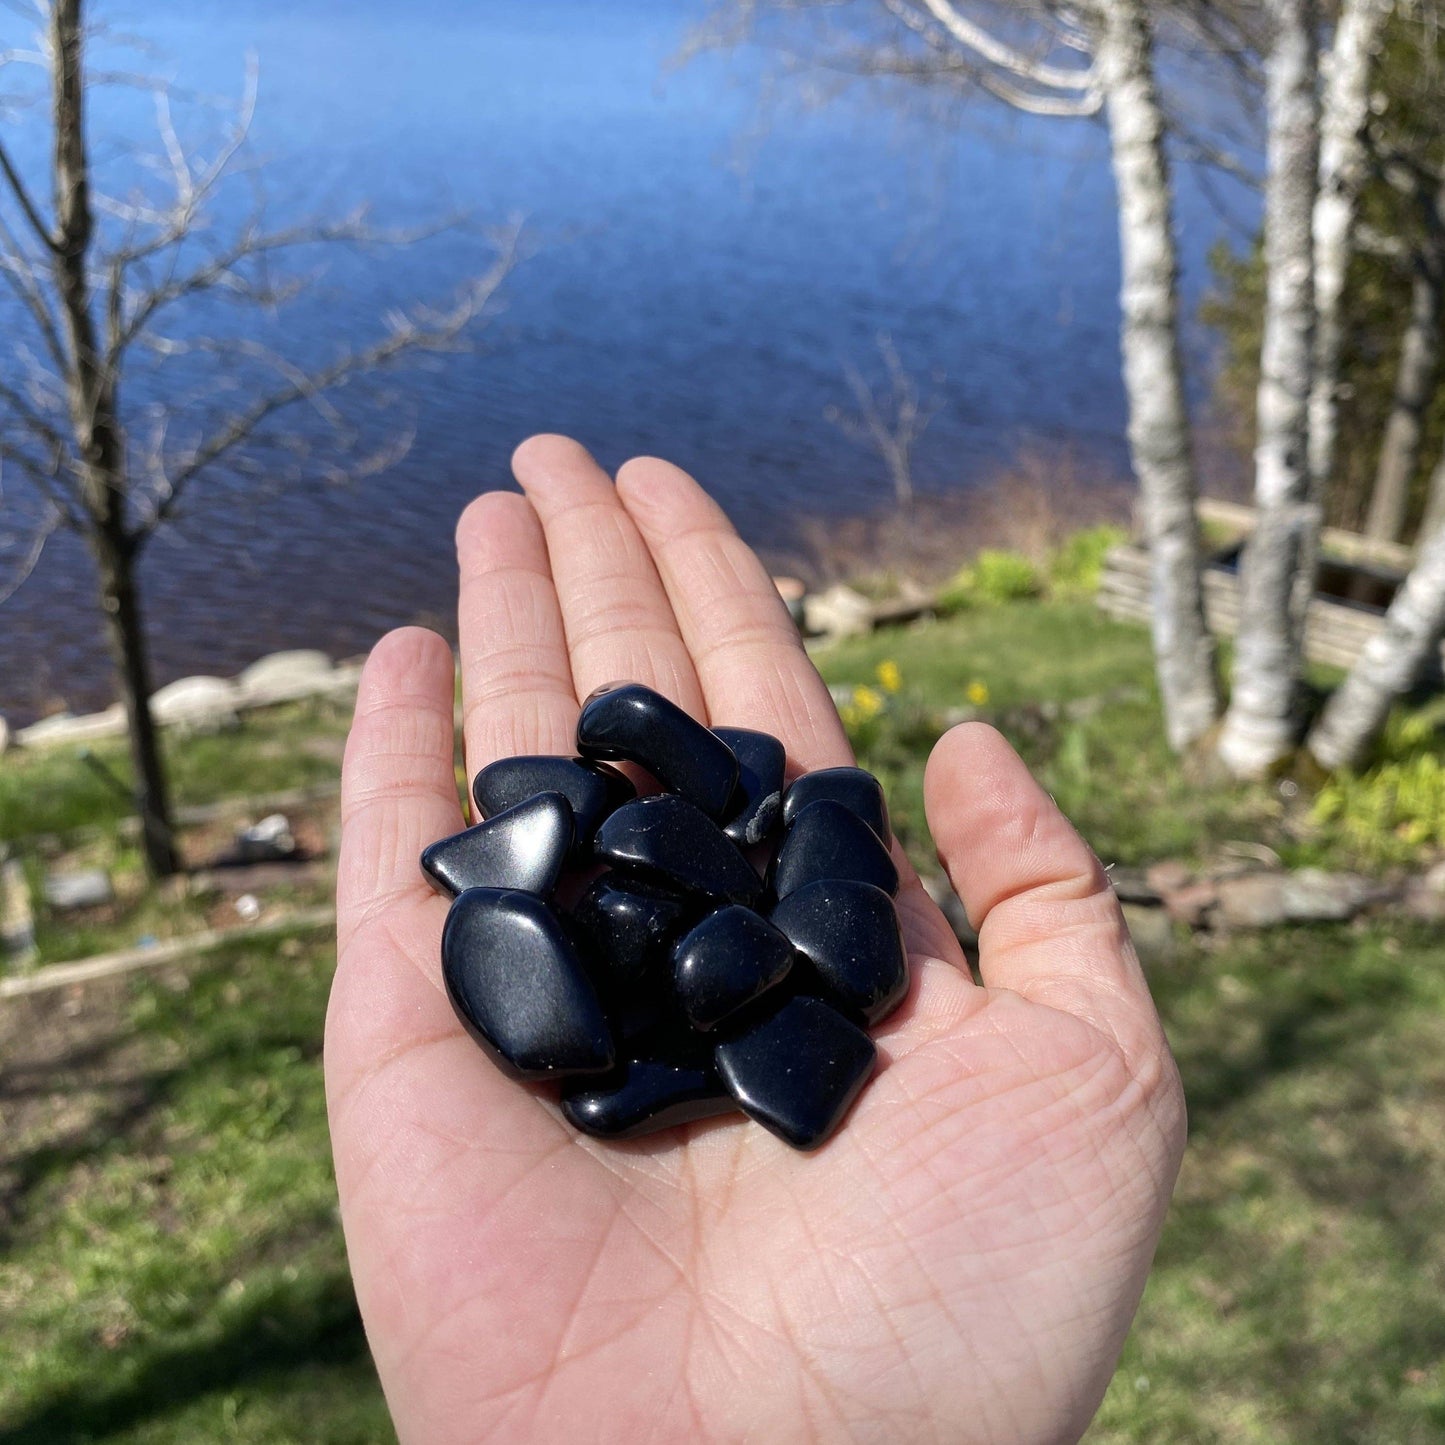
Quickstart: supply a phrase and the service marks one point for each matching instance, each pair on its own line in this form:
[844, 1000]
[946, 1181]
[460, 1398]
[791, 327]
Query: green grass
[1299, 1292]
[171, 1267]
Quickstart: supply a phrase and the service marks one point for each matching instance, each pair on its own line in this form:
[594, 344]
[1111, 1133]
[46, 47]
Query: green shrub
[1396, 808]
[1079, 563]
[993, 577]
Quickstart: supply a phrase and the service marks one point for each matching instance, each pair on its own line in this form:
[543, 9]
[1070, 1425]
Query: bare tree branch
[429, 332]
[23, 199]
[891, 423]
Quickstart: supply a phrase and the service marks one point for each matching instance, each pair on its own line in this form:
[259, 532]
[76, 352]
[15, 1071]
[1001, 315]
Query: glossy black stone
[524, 847]
[643, 1096]
[855, 788]
[667, 839]
[727, 961]
[849, 933]
[592, 790]
[637, 725]
[828, 840]
[757, 802]
[630, 927]
[797, 1071]
[519, 989]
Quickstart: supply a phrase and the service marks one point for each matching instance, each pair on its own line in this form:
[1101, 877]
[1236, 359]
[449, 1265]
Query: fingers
[517, 693]
[618, 621]
[747, 653]
[1049, 925]
[398, 788]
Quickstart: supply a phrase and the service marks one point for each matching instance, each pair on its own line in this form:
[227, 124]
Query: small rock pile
[682, 983]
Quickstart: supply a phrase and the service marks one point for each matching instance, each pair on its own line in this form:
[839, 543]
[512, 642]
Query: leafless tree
[1260, 726]
[1344, 168]
[889, 421]
[1094, 59]
[105, 283]
[1389, 664]
[1417, 373]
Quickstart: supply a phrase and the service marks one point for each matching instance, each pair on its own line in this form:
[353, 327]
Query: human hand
[961, 1262]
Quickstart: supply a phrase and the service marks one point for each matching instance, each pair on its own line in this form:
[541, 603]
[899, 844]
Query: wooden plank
[170, 950]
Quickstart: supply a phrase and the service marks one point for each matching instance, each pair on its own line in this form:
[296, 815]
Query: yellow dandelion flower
[868, 702]
[977, 693]
[890, 679]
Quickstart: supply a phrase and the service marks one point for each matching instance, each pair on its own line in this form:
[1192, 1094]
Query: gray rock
[1152, 932]
[268, 841]
[4, 733]
[196, 701]
[1256, 900]
[1169, 875]
[1314, 896]
[1434, 879]
[83, 888]
[65, 728]
[838, 612]
[285, 676]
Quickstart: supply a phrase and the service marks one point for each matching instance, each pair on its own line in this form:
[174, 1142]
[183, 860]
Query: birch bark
[1259, 728]
[1345, 110]
[1389, 664]
[1159, 434]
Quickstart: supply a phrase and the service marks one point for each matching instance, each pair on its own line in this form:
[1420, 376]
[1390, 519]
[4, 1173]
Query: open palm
[960, 1263]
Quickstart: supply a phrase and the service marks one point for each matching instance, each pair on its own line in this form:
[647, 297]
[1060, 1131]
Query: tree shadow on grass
[288, 1329]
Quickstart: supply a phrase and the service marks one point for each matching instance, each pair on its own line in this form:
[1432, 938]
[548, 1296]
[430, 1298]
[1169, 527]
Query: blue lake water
[701, 268]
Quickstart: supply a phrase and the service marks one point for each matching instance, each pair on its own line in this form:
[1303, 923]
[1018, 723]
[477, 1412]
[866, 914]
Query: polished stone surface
[828, 840]
[855, 788]
[634, 724]
[727, 961]
[642, 1096]
[592, 790]
[523, 847]
[797, 1071]
[630, 927]
[757, 802]
[667, 839]
[519, 988]
[849, 934]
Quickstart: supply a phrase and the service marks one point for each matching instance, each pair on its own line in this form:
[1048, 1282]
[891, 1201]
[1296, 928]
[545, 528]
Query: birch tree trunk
[1259, 728]
[1389, 665]
[1159, 434]
[1414, 390]
[1344, 113]
[1434, 517]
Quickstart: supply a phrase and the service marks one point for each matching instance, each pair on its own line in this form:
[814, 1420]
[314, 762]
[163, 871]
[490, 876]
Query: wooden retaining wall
[1336, 630]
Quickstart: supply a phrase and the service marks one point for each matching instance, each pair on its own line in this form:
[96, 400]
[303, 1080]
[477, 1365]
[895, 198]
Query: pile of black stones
[679, 981]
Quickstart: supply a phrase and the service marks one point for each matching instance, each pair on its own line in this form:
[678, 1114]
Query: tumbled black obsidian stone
[797, 1071]
[727, 961]
[519, 988]
[642, 1096]
[757, 802]
[592, 790]
[855, 788]
[828, 840]
[849, 933]
[630, 927]
[523, 847]
[637, 725]
[667, 839]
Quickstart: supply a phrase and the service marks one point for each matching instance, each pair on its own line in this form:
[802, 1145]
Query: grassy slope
[170, 1265]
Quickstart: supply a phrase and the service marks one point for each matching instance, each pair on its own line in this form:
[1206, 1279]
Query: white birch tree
[1260, 727]
[1080, 61]
[1389, 664]
[1344, 168]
